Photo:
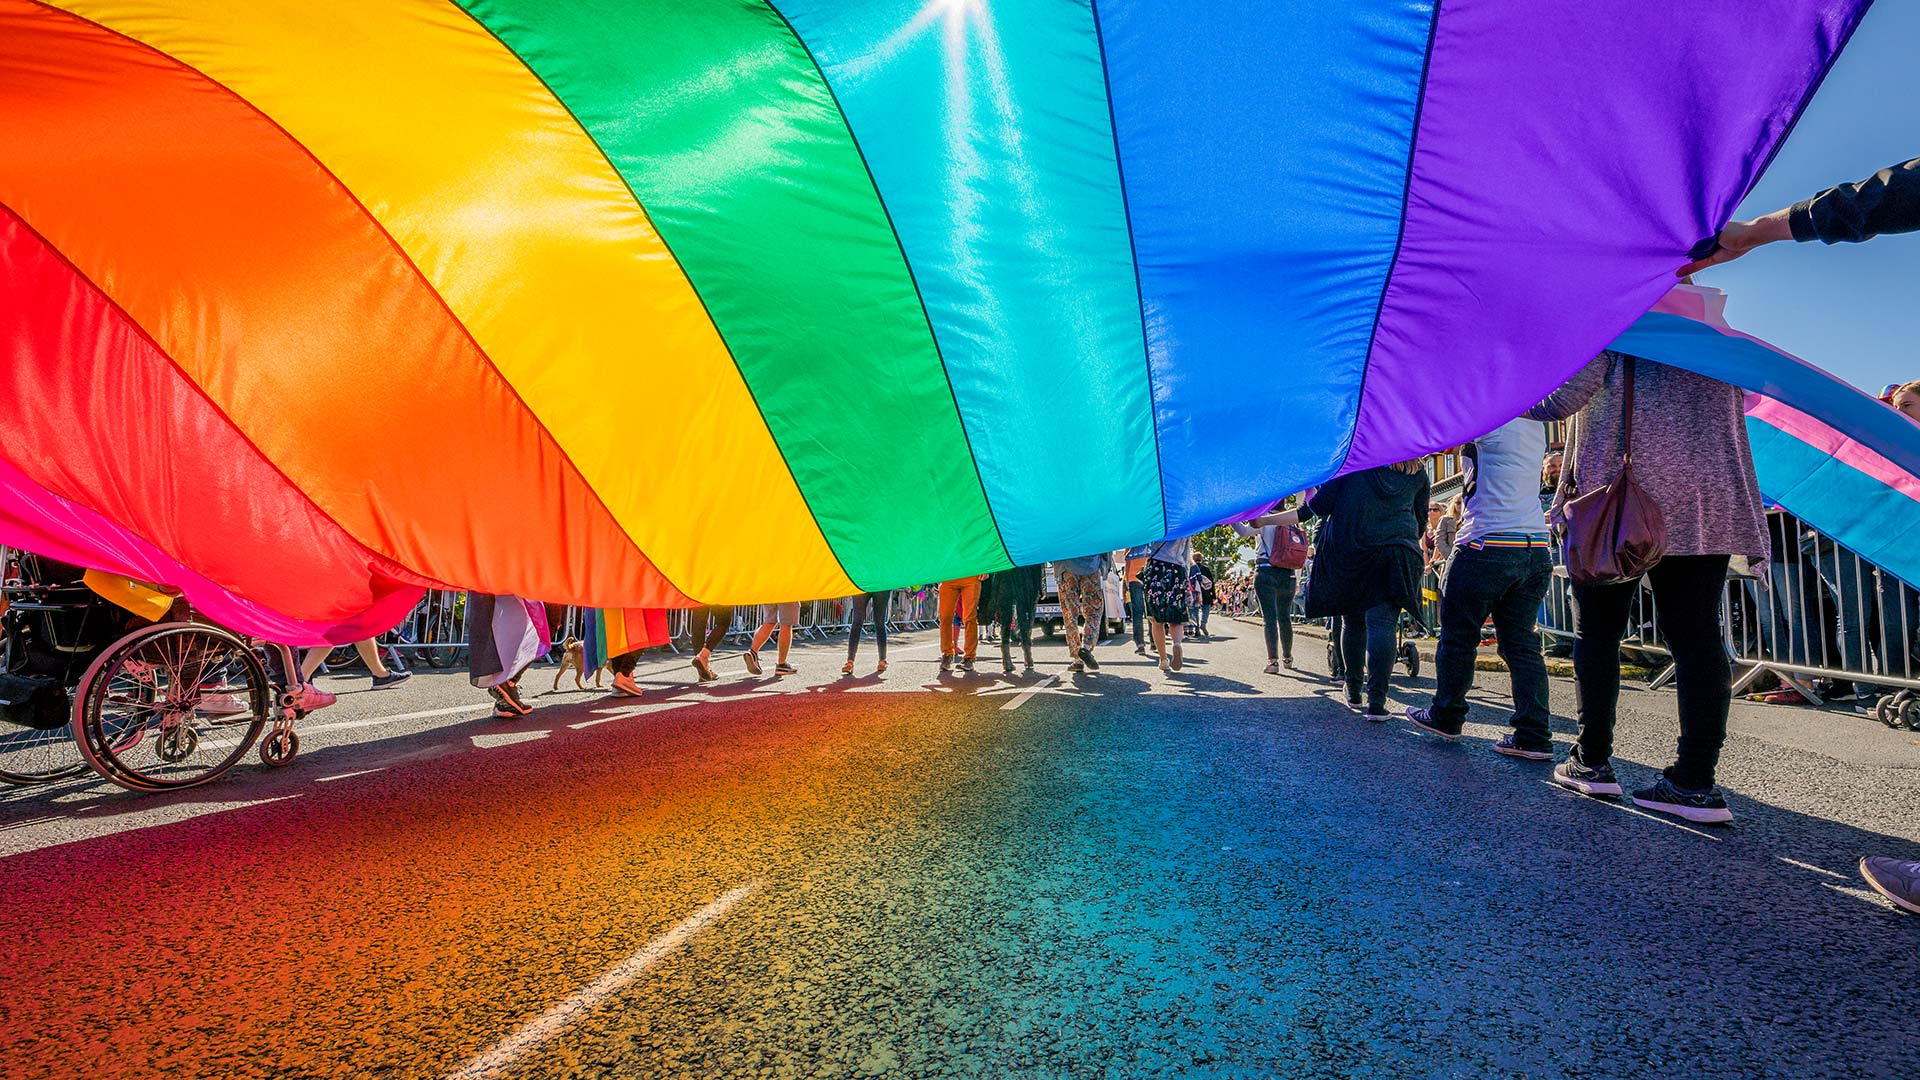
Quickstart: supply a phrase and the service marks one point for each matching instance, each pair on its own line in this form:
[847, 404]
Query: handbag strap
[1626, 458]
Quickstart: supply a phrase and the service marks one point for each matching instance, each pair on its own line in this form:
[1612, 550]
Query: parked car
[1113, 593]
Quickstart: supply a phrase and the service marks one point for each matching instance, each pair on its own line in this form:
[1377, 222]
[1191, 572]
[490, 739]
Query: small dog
[574, 658]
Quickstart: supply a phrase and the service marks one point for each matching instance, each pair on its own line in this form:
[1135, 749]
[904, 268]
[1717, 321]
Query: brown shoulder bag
[1614, 533]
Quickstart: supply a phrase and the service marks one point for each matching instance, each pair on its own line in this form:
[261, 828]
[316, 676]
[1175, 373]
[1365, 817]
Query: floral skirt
[1166, 586]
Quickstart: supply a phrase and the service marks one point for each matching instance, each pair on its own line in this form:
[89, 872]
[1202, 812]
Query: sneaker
[1076, 667]
[511, 691]
[1139, 650]
[1789, 696]
[1006, 667]
[392, 678]
[1164, 664]
[1423, 719]
[753, 661]
[1867, 706]
[967, 664]
[1663, 797]
[1273, 667]
[847, 668]
[222, 705]
[1575, 775]
[624, 686]
[310, 697]
[785, 669]
[705, 669]
[1287, 662]
[1511, 746]
[1086, 657]
[1896, 879]
[1378, 714]
[1176, 658]
[946, 661]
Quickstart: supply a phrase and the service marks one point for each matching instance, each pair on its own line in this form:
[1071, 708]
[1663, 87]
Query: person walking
[1082, 609]
[369, 651]
[708, 626]
[1886, 202]
[1690, 455]
[505, 634]
[1136, 561]
[1366, 567]
[879, 605]
[1164, 579]
[1501, 566]
[783, 618]
[959, 600]
[1008, 598]
[1279, 555]
[1205, 591]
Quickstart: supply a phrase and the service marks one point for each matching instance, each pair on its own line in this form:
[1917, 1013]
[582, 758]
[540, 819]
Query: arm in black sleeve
[1886, 202]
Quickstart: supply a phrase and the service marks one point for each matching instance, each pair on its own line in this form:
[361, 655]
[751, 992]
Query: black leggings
[709, 626]
[879, 603]
[1686, 598]
[1274, 587]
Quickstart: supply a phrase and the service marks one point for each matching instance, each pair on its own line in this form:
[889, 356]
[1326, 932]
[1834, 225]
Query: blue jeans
[1508, 584]
[1366, 646]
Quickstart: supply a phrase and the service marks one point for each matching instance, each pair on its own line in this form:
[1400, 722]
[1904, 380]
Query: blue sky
[1853, 309]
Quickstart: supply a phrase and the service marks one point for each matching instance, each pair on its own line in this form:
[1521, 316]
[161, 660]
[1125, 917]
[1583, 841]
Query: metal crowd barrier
[1818, 611]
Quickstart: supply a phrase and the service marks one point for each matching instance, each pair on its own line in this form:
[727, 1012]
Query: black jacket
[1004, 590]
[1886, 202]
[1369, 548]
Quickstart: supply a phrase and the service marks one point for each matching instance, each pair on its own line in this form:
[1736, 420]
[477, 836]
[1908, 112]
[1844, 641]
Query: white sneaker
[221, 705]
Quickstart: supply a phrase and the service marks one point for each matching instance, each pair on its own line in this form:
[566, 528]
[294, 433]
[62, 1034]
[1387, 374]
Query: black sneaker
[1086, 657]
[394, 678]
[1706, 807]
[1896, 879]
[1423, 719]
[1378, 714]
[785, 669]
[1575, 775]
[1511, 746]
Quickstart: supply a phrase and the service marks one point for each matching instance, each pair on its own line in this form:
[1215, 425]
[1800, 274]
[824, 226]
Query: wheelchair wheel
[1410, 659]
[170, 706]
[38, 756]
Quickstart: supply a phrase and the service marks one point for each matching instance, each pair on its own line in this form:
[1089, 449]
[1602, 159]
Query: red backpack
[1289, 550]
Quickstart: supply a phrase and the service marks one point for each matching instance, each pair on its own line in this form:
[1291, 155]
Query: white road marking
[1028, 694]
[344, 776]
[1810, 866]
[1621, 805]
[346, 725]
[548, 1024]
[641, 710]
[50, 832]
[1867, 895]
[508, 738]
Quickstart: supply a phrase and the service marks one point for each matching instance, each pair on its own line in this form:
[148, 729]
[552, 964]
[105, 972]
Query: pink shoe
[310, 698]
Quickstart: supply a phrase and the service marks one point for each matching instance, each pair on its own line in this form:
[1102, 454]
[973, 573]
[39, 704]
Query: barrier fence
[1817, 611]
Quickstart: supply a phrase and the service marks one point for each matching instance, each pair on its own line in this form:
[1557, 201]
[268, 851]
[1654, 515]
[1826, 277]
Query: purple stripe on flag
[1568, 157]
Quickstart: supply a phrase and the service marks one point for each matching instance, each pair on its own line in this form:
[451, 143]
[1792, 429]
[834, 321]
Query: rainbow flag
[609, 632]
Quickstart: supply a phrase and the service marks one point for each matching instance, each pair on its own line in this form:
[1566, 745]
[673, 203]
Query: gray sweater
[1690, 450]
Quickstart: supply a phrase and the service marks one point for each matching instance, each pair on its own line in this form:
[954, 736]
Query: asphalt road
[1214, 874]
